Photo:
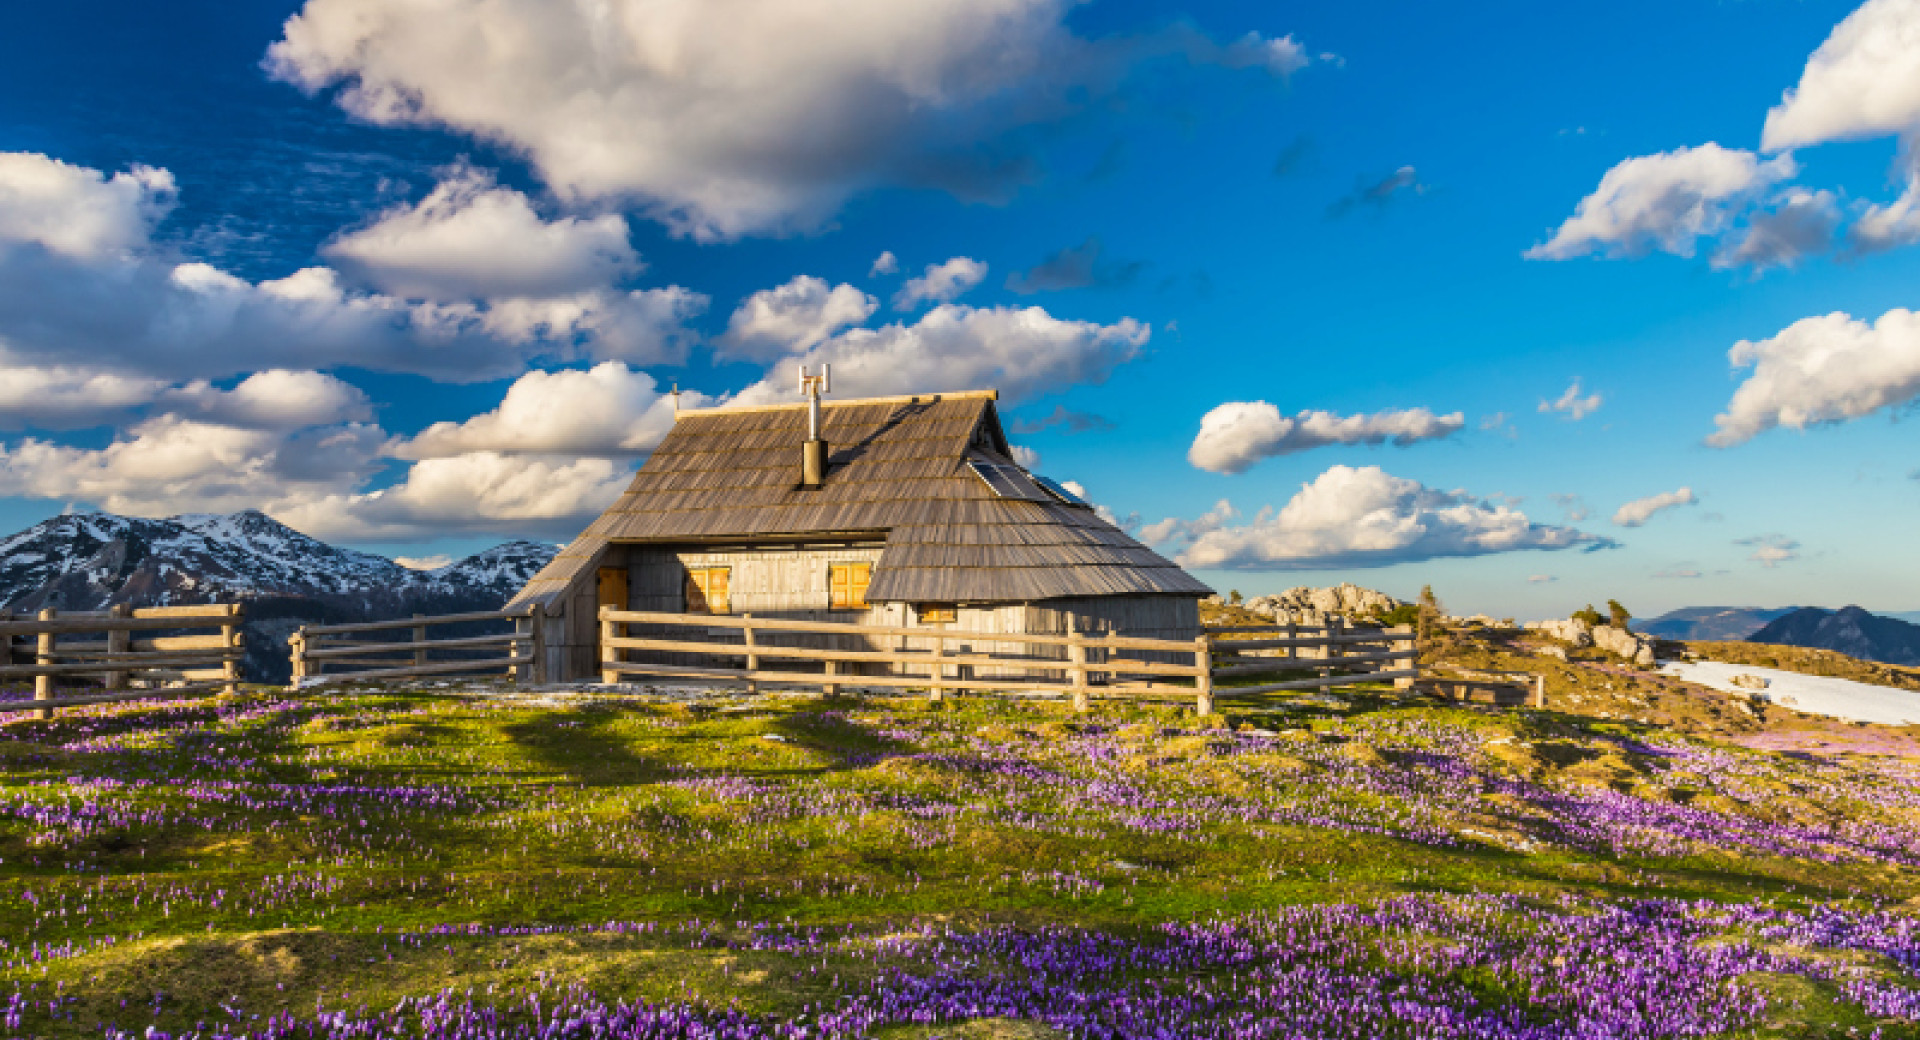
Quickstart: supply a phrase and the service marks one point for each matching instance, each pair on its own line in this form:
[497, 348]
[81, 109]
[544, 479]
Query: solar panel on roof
[1057, 490]
[1007, 481]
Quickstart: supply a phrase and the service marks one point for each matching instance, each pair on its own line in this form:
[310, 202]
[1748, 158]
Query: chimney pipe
[813, 454]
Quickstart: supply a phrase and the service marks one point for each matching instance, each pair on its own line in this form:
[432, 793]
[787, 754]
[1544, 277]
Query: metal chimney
[813, 454]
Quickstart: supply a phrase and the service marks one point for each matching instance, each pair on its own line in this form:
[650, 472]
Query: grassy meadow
[450, 862]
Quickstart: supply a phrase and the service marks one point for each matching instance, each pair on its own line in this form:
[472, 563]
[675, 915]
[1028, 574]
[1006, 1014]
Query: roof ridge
[991, 395]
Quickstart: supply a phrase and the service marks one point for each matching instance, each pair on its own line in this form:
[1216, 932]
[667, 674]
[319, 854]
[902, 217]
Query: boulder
[1309, 606]
[1622, 643]
[1571, 631]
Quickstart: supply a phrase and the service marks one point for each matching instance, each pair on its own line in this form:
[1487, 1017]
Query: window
[707, 590]
[847, 584]
[939, 613]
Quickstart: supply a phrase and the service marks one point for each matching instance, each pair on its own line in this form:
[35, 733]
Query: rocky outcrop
[1624, 644]
[1571, 631]
[1578, 634]
[1307, 606]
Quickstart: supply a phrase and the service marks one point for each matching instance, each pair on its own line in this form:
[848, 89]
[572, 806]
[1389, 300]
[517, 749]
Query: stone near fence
[1308, 606]
[1630, 646]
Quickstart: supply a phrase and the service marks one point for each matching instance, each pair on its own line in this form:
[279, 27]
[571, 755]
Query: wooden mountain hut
[895, 511]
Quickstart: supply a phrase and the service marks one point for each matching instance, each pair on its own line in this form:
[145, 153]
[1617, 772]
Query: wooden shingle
[897, 473]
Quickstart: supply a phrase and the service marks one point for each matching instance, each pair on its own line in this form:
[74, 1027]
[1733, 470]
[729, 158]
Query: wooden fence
[1504, 689]
[378, 650]
[1340, 654]
[103, 648]
[768, 650]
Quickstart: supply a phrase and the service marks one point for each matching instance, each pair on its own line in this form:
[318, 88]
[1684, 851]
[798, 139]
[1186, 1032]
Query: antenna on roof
[676, 397]
[813, 455]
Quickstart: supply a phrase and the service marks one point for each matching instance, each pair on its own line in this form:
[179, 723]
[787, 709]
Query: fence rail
[946, 659]
[1332, 651]
[320, 652]
[164, 665]
[1076, 664]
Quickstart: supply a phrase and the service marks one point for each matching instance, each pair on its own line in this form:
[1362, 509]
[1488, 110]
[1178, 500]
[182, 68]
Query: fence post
[43, 684]
[1331, 649]
[534, 672]
[230, 640]
[419, 636]
[297, 644]
[1293, 650]
[753, 659]
[118, 642]
[939, 671]
[1110, 656]
[1540, 691]
[1203, 674]
[1077, 659]
[1405, 644]
[608, 627]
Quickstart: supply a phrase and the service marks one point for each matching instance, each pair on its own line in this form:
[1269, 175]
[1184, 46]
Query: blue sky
[1149, 217]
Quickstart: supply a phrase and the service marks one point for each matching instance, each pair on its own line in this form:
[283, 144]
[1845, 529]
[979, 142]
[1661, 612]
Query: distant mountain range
[91, 561]
[1849, 630]
[1717, 624]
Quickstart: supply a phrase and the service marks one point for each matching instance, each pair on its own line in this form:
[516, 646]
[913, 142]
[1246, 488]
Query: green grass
[873, 814]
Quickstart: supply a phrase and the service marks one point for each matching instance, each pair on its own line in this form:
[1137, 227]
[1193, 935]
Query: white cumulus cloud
[1235, 435]
[492, 492]
[1821, 370]
[608, 410]
[1641, 510]
[110, 295]
[1863, 81]
[472, 239]
[1020, 351]
[171, 464]
[63, 397]
[791, 318]
[1366, 517]
[941, 283]
[1667, 201]
[76, 212]
[724, 118]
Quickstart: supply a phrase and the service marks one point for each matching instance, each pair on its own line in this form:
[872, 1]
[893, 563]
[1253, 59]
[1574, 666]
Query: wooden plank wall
[792, 584]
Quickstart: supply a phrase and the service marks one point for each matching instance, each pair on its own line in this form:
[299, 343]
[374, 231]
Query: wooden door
[613, 593]
[613, 587]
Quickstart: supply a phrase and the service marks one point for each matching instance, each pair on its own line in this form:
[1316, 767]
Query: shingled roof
[899, 471]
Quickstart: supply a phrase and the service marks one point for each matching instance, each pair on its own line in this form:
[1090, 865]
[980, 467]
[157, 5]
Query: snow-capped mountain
[90, 561]
[502, 570]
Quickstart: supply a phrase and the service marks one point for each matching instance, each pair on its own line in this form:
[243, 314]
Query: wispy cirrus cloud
[1574, 403]
[1637, 512]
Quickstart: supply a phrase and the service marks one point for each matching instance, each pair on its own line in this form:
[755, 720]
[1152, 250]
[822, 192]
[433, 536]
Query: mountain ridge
[1850, 630]
[92, 561]
[1714, 624]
